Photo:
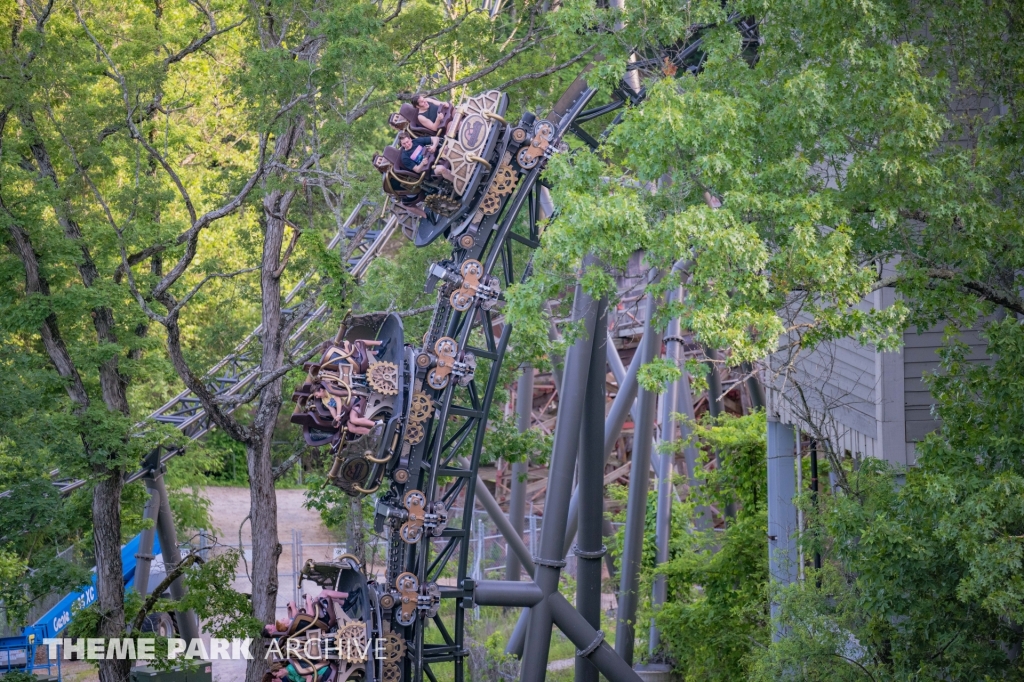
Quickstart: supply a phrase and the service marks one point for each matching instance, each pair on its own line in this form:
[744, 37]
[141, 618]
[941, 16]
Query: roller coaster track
[443, 465]
[437, 468]
[240, 368]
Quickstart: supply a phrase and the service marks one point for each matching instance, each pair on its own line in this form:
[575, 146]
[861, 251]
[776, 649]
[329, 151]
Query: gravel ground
[228, 509]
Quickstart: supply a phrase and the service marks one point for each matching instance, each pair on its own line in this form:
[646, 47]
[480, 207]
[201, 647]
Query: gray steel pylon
[636, 504]
[517, 494]
[560, 476]
[589, 548]
[552, 607]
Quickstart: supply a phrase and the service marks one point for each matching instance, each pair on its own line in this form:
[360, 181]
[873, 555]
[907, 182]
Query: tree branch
[985, 291]
[216, 275]
[531, 39]
[253, 392]
[393, 15]
[545, 72]
[154, 596]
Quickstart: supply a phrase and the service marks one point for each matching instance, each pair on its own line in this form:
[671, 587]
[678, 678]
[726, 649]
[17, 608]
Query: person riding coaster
[461, 147]
[352, 400]
[419, 154]
[432, 114]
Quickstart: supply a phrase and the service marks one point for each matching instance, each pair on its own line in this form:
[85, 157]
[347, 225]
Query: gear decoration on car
[383, 377]
[502, 185]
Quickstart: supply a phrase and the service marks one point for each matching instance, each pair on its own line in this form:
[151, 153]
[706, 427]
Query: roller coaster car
[354, 400]
[334, 644]
[473, 148]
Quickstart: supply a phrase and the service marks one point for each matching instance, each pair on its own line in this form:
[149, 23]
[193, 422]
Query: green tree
[716, 613]
[158, 164]
[922, 578]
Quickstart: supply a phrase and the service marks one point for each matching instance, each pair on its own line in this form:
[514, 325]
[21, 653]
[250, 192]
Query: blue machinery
[19, 652]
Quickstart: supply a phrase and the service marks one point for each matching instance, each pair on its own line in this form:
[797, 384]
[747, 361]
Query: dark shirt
[413, 156]
[431, 113]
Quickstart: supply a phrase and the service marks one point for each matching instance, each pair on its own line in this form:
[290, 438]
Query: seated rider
[431, 111]
[418, 154]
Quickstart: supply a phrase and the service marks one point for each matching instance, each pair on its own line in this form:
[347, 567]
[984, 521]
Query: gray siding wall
[920, 357]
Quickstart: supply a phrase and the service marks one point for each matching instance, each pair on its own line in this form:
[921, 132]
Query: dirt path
[302, 535]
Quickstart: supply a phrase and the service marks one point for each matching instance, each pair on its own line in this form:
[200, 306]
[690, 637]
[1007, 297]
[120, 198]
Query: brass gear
[394, 648]
[504, 180]
[414, 433]
[383, 377]
[443, 204]
[420, 407]
[352, 642]
[390, 672]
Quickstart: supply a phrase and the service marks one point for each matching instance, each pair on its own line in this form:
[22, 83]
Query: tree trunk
[106, 514]
[266, 548]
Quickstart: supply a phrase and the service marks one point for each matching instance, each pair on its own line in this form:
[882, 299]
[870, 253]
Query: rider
[431, 111]
[417, 154]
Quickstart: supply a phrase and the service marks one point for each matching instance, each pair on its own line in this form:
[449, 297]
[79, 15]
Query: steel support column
[188, 625]
[782, 526]
[560, 475]
[754, 386]
[663, 524]
[624, 403]
[715, 397]
[636, 504]
[517, 495]
[506, 593]
[589, 547]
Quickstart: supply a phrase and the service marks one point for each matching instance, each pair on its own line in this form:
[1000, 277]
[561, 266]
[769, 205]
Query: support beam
[589, 641]
[663, 523]
[557, 363]
[782, 526]
[754, 387]
[715, 398]
[514, 539]
[506, 593]
[560, 475]
[188, 625]
[144, 559]
[517, 495]
[589, 547]
[636, 504]
[624, 403]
